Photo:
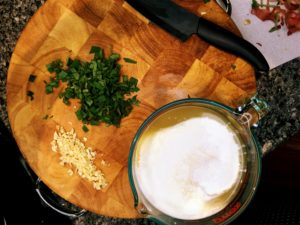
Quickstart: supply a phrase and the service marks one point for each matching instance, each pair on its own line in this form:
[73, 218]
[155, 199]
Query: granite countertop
[280, 88]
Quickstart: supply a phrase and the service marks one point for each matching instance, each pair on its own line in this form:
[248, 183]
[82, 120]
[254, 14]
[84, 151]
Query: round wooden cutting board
[167, 70]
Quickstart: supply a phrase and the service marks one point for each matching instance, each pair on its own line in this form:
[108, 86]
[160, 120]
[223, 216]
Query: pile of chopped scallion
[104, 95]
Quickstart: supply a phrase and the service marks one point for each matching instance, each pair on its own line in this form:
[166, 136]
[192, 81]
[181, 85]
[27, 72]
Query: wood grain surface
[167, 70]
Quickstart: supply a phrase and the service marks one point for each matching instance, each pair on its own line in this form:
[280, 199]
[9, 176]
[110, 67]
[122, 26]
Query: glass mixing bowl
[243, 119]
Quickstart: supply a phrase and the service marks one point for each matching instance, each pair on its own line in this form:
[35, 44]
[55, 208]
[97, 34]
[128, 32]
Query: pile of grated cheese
[75, 153]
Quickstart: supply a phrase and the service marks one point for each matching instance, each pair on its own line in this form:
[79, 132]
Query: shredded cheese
[74, 152]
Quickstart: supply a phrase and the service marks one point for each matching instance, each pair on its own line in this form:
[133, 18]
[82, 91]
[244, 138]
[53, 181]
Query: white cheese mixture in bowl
[189, 170]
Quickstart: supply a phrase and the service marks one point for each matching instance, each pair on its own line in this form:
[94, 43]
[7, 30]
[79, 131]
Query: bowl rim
[152, 116]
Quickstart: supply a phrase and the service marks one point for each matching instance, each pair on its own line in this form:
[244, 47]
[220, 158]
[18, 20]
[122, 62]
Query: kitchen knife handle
[228, 41]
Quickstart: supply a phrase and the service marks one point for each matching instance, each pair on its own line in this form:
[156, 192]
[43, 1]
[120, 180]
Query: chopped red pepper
[281, 12]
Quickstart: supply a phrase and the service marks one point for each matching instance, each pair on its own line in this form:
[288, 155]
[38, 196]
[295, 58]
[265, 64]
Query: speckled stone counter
[280, 88]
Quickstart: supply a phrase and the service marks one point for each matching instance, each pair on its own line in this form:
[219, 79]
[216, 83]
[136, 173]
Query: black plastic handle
[232, 43]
